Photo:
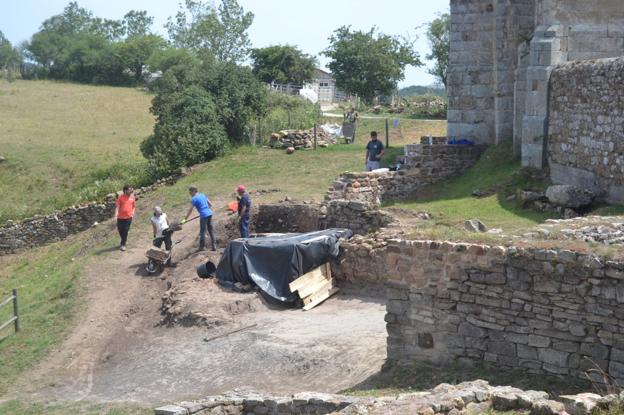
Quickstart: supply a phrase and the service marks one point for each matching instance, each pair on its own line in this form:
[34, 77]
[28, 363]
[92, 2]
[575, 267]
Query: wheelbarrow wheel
[151, 266]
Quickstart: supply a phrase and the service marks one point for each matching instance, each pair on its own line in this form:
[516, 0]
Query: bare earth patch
[174, 336]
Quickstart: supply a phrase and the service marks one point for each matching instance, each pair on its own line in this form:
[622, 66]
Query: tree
[369, 63]
[240, 95]
[222, 31]
[135, 52]
[137, 23]
[283, 64]
[187, 131]
[439, 34]
[9, 56]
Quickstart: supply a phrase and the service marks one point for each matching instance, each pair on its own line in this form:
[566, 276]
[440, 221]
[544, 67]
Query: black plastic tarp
[273, 262]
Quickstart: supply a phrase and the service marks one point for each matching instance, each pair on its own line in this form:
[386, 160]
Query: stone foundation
[543, 311]
[467, 398]
[425, 165]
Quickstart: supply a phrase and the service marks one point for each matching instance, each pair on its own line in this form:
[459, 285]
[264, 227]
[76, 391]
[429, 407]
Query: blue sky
[306, 24]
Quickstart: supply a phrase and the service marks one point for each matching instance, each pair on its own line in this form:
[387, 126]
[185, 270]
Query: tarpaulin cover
[273, 262]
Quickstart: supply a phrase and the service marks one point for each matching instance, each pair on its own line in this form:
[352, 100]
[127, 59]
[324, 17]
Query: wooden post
[315, 136]
[387, 137]
[16, 311]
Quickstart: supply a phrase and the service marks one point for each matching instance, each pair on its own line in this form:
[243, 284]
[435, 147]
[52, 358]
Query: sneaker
[202, 248]
[122, 247]
[214, 248]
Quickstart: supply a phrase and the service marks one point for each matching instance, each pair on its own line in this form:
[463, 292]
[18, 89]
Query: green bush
[188, 130]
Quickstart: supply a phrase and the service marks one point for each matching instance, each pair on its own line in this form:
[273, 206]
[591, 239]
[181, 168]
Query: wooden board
[320, 298]
[308, 290]
[312, 277]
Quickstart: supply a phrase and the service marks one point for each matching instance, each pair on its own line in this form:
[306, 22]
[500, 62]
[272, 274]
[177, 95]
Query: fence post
[315, 136]
[387, 137]
[16, 311]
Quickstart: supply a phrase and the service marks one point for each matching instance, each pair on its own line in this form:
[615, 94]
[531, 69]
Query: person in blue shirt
[374, 151]
[200, 202]
[244, 209]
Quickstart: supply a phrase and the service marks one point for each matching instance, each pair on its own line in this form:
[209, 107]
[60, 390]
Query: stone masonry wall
[41, 230]
[586, 133]
[426, 164]
[544, 311]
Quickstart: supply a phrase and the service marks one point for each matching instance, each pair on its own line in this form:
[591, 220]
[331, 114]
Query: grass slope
[451, 202]
[66, 143]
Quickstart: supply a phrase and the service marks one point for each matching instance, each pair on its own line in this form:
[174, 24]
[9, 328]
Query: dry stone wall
[586, 133]
[425, 164]
[41, 230]
[543, 311]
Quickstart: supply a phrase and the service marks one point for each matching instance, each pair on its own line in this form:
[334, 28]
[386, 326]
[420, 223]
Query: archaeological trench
[541, 311]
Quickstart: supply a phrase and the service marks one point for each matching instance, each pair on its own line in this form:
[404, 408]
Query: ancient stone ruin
[534, 71]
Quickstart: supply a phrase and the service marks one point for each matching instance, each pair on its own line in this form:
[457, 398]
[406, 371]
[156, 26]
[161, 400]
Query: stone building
[502, 55]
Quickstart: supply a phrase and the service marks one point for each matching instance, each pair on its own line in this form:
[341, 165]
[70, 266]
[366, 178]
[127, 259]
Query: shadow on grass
[421, 376]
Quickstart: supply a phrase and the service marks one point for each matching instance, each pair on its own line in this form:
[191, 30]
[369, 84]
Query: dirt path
[120, 351]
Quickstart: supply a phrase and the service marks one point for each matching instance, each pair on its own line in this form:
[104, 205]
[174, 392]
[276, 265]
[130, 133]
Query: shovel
[177, 226]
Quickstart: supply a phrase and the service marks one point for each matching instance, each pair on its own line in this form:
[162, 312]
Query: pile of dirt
[301, 139]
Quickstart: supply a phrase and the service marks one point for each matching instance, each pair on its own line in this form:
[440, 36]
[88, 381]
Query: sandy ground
[122, 350]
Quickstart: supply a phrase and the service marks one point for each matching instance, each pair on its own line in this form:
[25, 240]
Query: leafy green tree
[282, 64]
[369, 63]
[240, 95]
[135, 52]
[9, 56]
[137, 23]
[163, 60]
[222, 31]
[439, 36]
[187, 131]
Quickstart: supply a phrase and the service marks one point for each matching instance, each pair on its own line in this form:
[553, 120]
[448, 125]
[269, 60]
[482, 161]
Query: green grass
[48, 284]
[67, 143]
[79, 408]
[451, 202]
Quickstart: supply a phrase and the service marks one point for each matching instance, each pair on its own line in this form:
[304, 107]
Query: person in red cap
[244, 208]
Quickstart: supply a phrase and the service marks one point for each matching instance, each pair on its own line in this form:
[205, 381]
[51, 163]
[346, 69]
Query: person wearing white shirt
[160, 226]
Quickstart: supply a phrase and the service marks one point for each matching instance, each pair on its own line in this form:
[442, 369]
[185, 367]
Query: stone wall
[476, 397]
[543, 311]
[286, 217]
[501, 56]
[586, 133]
[289, 217]
[425, 165]
[41, 230]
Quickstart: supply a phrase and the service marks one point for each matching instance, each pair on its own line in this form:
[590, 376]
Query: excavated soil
[175, 336]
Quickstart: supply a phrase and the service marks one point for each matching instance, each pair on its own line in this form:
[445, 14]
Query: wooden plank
[324, 289]
[320, 299]
[312, 289]
[310, 278]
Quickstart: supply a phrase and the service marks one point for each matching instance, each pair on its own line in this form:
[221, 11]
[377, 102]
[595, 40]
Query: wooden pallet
[314, 287]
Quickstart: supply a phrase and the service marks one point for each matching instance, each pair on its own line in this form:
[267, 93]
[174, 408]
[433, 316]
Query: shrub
[188, 130]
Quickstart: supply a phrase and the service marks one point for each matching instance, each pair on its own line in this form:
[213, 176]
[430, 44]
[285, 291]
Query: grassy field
[49, 279]
[67, 143]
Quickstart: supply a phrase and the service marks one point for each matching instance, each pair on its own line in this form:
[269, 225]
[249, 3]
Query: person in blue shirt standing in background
[200, 202]
[244, 208]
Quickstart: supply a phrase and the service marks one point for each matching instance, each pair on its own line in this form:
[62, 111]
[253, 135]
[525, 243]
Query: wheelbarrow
[158, 258]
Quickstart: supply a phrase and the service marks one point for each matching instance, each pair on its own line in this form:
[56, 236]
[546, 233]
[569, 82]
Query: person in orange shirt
[124, 212]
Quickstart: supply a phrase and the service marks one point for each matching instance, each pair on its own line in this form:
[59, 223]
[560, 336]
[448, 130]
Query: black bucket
[206, 270]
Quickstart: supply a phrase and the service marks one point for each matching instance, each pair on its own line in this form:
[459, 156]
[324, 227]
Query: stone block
[171, 410]
[553, 357]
